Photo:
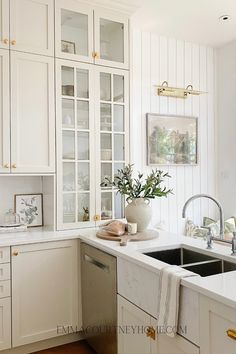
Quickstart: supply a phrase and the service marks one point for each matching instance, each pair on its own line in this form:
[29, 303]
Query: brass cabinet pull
[151, 332]
[15, 253]
[13, 42]
[13, 166]
[231, 333]
[97, 217]
[6, 41]
[6, 165]
[95, 55]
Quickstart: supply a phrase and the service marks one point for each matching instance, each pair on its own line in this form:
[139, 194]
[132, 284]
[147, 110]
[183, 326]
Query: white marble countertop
[221, 287]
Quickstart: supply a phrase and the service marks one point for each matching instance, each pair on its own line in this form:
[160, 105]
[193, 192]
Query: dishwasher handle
[97, 263]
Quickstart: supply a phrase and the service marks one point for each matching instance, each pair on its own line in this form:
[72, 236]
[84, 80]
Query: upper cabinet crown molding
[124, 7]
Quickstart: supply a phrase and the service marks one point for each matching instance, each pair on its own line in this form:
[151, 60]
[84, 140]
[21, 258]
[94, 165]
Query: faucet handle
[209, 237]
[234, 244]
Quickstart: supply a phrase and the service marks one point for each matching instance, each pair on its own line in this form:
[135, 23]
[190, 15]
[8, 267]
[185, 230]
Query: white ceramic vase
[139, 211]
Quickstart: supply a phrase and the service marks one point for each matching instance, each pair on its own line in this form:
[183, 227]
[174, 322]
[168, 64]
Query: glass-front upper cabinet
[112, 128]
[111, 31]
[74, 31]
[75, 145]
[4, 24]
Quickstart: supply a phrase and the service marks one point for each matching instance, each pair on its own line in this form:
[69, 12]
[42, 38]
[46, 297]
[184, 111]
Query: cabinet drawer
[4, 254]
[5, 288]
[5, 273]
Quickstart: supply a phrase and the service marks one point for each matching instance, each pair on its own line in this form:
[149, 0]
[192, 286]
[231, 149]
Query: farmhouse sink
[193, 261]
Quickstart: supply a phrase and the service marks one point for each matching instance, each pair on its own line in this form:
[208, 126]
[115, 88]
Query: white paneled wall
[154, 59]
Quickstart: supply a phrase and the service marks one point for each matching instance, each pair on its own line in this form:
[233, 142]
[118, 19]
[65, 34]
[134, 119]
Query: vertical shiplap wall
[154, 59]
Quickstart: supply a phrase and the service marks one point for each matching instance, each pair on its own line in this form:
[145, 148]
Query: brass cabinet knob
[151, 332]
[97, 217]
[95, 55]
[231, 333]
[13, 166]
[15, 253]
[6, 165]
[6, 41]
[13, 42]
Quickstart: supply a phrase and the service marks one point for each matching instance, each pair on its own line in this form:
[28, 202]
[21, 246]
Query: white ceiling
[192, 20]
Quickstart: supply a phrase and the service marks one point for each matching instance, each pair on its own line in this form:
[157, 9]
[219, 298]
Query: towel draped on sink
[168, 298]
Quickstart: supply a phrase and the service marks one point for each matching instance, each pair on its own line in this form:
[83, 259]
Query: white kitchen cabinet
[176, 345]
[136, 330]
[32, 113]
[5, 323]
[111, 31]
[45, 291]
[92, 141]
[75, 144]
[137, 333]
[74, 31]
[91, 35]
[4, 24]
[32, 26]
[4, 112]
[112, 133]
[217, 327]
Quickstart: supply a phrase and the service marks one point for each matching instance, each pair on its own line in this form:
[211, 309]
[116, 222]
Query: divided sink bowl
[194, 261]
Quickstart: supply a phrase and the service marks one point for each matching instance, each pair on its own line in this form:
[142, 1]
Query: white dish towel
[168, 298]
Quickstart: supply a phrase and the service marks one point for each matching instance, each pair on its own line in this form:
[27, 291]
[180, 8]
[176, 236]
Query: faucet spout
[197, 196]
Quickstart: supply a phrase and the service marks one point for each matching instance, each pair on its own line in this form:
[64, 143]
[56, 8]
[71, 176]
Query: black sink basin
[195, 262]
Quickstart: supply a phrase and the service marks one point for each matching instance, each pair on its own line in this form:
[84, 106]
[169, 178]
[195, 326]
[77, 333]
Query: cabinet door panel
[176, 345]
[111, 39]
[32, 26]
[215, 320]
[5, 323]
[4, 24]
[45, 291]
[74, 31]
[4, 112]
[75, 145]
[112, 132]
[32, 113]
[132, 327]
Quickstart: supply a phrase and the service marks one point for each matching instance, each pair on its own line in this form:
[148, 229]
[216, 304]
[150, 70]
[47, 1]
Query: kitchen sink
[193, 261]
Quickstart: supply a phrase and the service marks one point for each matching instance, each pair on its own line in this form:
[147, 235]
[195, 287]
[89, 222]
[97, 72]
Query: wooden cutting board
[139, 236]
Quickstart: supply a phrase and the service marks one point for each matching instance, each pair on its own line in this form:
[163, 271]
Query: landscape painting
[172, 140]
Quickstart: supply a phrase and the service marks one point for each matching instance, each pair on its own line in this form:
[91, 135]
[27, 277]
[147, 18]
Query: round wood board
[139, 236]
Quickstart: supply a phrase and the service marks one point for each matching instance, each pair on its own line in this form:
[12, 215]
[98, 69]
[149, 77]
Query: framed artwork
[172, 140]
[68, 47]
[30, 208]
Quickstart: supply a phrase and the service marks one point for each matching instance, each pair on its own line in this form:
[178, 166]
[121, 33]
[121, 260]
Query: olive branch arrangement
[148, 187]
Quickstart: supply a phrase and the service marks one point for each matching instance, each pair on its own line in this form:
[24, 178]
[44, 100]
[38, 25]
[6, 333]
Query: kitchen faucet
[216, 202]
[210, 237]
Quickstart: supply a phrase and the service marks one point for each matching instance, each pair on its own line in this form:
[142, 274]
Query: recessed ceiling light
[224, 18]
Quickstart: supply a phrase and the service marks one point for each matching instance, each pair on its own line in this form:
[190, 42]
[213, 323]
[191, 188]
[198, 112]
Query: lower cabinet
[45, 291]
[136, 329]
[217, 327]
[5, 323]
[137, 333]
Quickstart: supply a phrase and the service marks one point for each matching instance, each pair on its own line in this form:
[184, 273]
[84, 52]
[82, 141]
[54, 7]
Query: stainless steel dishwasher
[99, 299]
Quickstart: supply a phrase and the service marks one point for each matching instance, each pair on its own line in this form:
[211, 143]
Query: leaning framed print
[30, 208]
[172, 140]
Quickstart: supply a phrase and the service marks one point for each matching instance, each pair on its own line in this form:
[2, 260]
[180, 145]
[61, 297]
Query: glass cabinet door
[111, 112]
[111, 39]
[4, 24]
[74, 31]
[75, 120]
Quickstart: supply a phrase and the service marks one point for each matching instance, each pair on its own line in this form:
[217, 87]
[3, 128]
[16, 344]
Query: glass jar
[11, 218]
